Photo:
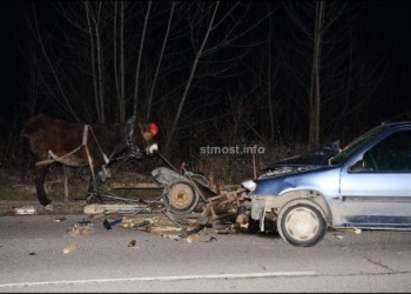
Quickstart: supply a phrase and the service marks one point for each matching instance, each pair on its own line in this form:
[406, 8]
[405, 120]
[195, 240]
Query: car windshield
[355, 145]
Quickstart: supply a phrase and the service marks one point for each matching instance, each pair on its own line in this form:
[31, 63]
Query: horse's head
[140, 135]
[148, 132]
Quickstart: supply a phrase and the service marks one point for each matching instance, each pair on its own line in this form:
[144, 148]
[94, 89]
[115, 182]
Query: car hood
[275, 184]
[314, 159]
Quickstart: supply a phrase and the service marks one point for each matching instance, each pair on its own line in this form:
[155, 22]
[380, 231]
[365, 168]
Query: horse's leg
[93, 192]
[40, 173]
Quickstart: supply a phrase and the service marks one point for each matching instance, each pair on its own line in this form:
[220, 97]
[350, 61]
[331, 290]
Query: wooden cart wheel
[181, 198]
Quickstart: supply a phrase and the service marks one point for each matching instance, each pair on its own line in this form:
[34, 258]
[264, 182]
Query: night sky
[384, 30]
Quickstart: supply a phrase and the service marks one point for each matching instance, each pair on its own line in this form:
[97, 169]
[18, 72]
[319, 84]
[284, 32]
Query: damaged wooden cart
[186, 195]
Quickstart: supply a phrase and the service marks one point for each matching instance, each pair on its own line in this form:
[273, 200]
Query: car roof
[396, 124]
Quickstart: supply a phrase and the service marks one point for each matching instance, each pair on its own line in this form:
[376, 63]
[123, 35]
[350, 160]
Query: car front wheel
[301, 225]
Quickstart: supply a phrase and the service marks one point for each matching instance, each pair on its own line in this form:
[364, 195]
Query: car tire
[301, 225]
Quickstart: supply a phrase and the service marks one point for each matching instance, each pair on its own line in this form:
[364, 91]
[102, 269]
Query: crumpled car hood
[303, 162]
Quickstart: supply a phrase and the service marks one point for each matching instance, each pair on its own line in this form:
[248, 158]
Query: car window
[356, 145]
[391, 154]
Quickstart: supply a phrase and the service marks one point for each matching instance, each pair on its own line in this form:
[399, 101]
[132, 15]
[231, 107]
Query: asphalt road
[369, 262]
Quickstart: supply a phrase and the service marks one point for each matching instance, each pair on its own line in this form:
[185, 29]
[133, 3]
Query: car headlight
[250, 185]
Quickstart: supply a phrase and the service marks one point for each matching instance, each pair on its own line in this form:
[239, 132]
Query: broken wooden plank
[165, 230]
[93, 209]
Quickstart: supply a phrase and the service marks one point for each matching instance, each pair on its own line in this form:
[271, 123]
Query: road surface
[369, 262]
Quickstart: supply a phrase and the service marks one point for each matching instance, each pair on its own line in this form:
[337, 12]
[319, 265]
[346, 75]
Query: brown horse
[75, 144]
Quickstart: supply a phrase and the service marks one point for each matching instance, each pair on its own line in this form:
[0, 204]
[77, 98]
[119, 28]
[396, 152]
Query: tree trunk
[190, 79]
[140, 53]
[160, 59]
[100, 66]
[120, 116]
[315, 93]
[269, 94]
[93, 61]
[66, 105]
[122, 71]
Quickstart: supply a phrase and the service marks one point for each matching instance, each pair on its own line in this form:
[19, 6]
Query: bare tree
[93, 62]
[160, 59]
[193, 70]
[323, 37]
[140, 52]
[65, 104]
[230, 30]
[122, 68]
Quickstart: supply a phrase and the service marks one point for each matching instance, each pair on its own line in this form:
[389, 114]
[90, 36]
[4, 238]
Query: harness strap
[105, 158]
[61, 158]
[53, 157]
[84, 143]
[85, 135]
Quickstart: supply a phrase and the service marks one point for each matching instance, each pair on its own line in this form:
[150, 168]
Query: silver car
[365, 185]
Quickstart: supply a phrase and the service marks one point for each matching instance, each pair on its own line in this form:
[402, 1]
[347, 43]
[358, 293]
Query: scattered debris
[170, 217]
[164, 229]
[210, 239]
[223, 231]
[82, 228]
[159, 224]
[192, 238]
[93, 209]
[32, 253]
[128, 223]
[132, 243]
[84, 222]
[201, 234]
[223, 206]
[82, 231]
[355, 231]
[218, 212]
[25, 210]
[108, 225]
[70, 248]
[216, 208]
[60, 219]
[171, 236]
[339, 237]
[243, 220]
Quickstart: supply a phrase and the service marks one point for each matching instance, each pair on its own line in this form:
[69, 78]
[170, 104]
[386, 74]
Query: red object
[153, 129]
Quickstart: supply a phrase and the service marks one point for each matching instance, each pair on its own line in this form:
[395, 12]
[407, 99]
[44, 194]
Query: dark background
[382, 32]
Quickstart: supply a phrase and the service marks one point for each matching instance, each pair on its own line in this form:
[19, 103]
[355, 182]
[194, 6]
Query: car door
[376, 190]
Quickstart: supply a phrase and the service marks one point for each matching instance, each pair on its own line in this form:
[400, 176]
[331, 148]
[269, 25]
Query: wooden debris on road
[60, 219]
[132, 243]
[82, 228]
[70, 248]
[84, 231]
[218, 212]
[95, 209]
[224, 205]
[165, 229]
[25, 210]
[171, 236]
